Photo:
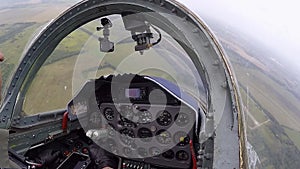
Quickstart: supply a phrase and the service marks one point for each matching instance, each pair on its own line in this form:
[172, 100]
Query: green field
[12, 45]
[77, 59]
[294, 135]
[272, 107]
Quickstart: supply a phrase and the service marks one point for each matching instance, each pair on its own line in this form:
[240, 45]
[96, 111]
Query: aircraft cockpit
[146, 124]
[144, 81]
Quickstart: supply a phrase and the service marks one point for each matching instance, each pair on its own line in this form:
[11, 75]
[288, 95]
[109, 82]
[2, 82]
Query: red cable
[193, 155]
[64, 125]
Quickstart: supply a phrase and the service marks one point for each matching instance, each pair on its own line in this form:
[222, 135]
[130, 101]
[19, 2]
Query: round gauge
[182, 119]
[127, 136]
[154, 151]
[109, 114]
[126, 123]
[145, 134]
[142, 152]
[144, 116]
[133, 146]
[111, 146]
[164, 137]
[127, 151]
[182, 155]
[168, 154]
[164, 118]
[181, 138]
[78, 145]
[126, 112]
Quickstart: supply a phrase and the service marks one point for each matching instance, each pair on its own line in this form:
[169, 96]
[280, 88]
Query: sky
[276, 23]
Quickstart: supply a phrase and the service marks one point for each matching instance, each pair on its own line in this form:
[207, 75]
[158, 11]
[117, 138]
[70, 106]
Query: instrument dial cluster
[142, 121]
[164, 118]
[109, 114]
[151, 132]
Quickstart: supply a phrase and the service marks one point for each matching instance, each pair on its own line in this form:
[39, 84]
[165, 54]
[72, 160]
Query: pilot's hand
[47, 157]
[101, 158]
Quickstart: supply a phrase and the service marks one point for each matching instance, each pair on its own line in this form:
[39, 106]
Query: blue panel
[174, 89]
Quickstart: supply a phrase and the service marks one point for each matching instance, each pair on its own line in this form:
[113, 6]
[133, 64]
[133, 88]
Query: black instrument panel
[150, 133]
[145, 123]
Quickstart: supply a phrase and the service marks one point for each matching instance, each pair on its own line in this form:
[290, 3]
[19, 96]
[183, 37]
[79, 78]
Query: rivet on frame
[206, 44]
[195, 30]
[216, 63]
[224, 84]
[174, 10]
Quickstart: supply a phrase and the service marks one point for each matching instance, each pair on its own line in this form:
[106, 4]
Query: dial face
[142, 152]
[109, 114]
[126, 136]
[126, 123]
[168, 154]
[182, 155]
[127, 151]
[164, 118]
[78, 145]
[154, 151]
[144, 116]
[145, 134]
[126, 112]
[182, 119]
[111, 146]
[164, 137]
[181, 138]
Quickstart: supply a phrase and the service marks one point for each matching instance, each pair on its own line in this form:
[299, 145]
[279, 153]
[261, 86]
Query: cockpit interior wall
[4, 160]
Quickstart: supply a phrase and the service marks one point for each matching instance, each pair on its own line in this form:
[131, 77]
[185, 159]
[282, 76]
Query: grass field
[294, 135]
[38, 12]
[52, 92]
[78, 58]
[12, 45]
[272, 107]
[271, 96]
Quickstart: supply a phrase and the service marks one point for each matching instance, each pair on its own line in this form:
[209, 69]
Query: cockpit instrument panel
[143, 122]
